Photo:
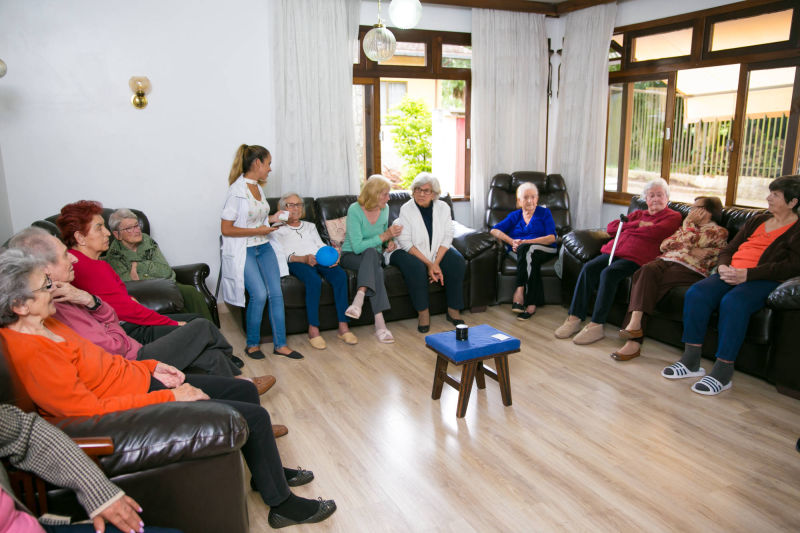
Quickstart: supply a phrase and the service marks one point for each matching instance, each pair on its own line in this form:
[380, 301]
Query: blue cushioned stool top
[479, 344]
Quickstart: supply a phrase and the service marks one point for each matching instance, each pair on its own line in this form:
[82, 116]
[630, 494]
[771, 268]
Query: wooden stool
[470, 355]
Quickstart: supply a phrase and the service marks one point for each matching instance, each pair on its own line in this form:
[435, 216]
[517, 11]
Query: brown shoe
[568, 329]
[625, 357]
[263, 383]
[589, 334]
[635, 334]
[279, 430]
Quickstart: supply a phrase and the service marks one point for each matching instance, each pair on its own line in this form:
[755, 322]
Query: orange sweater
[77, 378]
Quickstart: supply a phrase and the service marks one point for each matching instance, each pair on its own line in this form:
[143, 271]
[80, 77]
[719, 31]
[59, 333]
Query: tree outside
[412, 129]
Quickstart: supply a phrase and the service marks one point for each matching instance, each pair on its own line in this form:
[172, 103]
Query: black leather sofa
[769, 350]
[160, 295]
[180, 460]
[478, 248]
[501, 201]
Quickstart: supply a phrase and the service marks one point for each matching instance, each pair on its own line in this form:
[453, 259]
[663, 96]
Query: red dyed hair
[77, 217]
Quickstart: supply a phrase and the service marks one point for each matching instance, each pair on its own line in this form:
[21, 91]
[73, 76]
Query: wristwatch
[97, 303]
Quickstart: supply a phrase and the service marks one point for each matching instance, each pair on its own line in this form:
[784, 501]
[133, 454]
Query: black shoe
[237, 361]
[258, 354]
[326, 508]
[298, 476]
[454, 321]
[517, 308]
[291, 355]
[525, 315]
[797, 446]
[423, 329]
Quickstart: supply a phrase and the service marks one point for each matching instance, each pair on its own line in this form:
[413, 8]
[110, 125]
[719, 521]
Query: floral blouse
[678, 246]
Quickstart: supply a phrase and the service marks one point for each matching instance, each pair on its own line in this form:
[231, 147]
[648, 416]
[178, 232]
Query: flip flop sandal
[353, 312]
[712, 386]
[384, 336]
[679, 371]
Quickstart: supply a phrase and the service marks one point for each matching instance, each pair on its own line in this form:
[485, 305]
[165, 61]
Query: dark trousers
[653, 281]
[147, 334]
[310, 276]
[88, 528]
[415, 274]
[197, 344]
[369, 265]
[529, 272]
[598, 275]
[736, 304]
[260, 451]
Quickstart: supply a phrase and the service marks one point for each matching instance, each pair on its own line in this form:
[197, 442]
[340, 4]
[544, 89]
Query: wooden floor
[589, 444]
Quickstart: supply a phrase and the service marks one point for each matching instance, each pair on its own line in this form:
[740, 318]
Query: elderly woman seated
[425, 254]
[638, 244]
[67, 376]
[300, 242]
[135, 255]
[688, 256]
[764, 253]
[530, 233]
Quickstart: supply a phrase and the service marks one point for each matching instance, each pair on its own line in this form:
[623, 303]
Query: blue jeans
[598, 274]
[736, 304]
[310, 276]
[262, 279]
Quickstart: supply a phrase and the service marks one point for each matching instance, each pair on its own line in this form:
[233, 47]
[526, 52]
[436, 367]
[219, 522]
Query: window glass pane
[408, 55]
[769, 99]
[705, 103]
[612, 135]
[424, 131]
[619, 39]
[647, 134]
[456, 56]
[669, 44]
[750, 31]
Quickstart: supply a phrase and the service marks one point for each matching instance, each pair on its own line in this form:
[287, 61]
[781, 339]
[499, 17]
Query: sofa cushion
[336, 228]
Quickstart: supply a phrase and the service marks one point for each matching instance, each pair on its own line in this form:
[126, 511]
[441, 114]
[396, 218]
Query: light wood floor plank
[589, 444]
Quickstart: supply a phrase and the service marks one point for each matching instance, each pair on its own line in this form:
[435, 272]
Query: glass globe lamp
[379, 43]
[405, 13]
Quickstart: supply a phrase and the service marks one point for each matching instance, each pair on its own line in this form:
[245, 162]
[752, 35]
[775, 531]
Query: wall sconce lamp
[140, 86]
[3, 68]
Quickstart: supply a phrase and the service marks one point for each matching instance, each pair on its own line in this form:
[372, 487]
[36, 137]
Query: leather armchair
[161, 296]
[478, 249]
[501, 201]
[180, 460]
[769, 350]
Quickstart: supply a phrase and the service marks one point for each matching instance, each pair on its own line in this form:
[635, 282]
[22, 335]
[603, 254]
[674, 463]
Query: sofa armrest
[584, 244]
[195, 275]
[471, 243]
[160, 295]
[162, 434]
[786, 296]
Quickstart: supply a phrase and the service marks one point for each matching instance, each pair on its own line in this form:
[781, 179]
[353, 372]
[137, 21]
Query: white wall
[5, 215]
[69, 132]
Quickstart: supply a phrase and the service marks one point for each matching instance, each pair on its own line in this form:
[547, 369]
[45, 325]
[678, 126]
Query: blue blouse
[541, 224]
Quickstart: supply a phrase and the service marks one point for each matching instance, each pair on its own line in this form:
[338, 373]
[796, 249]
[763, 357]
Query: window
[413, 112]
[710, 122]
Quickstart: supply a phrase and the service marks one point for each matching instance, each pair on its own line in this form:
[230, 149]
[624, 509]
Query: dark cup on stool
[462, 332]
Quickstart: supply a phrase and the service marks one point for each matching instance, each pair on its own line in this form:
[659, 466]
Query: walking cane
[622, 220]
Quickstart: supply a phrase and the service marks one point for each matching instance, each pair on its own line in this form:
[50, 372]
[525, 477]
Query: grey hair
[656, 182]
[118, 216]
[426, 178]
[36, 242]
[525, 186]
[15, 271]
[286, 196]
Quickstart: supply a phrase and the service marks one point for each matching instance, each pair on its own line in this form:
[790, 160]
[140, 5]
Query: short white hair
[656, 182]
[116, 218]
[524, 187]
[426, 178]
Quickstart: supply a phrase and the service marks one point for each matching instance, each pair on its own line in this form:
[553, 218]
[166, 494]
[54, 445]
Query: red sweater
[641, 244]
[98, 278]
[77, 378]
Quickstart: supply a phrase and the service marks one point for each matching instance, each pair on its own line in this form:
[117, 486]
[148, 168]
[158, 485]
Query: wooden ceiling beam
[575, 5]
[502, 5]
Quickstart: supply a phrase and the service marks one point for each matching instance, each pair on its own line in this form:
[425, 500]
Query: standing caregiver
[249, 260]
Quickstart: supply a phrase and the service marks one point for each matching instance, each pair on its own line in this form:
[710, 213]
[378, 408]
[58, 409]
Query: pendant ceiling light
[405, 13]
[379, 42]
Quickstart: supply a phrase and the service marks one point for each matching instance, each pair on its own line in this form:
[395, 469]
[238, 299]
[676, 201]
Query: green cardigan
[360, 234]
[151, 262]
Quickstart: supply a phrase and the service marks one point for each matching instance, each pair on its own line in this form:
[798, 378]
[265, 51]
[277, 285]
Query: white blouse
[301, 240]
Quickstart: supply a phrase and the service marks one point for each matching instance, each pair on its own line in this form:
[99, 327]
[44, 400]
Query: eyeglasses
[426, 192]
[48, 284]
[293, 205]
[131, 228]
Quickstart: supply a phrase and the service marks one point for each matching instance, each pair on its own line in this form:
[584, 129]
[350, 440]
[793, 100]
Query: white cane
[622, 220]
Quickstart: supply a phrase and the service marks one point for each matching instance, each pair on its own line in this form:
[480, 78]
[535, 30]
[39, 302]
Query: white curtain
[315, 151]
[509, 98]
[582, 106]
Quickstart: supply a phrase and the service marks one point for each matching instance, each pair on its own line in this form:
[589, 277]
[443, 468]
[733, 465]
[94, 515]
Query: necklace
[297, 230]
